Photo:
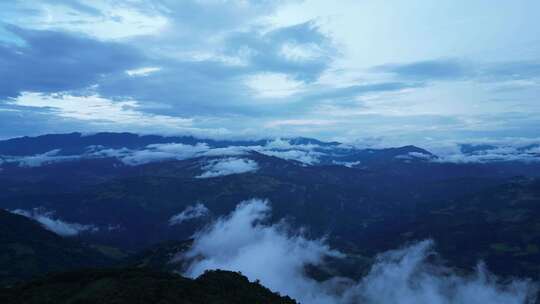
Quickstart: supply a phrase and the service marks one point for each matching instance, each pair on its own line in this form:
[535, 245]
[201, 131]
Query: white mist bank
[48, 220]
[244, 241]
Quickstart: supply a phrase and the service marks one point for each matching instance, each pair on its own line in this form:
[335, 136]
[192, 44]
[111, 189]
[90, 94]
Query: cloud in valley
[246, 241]
[48, 220]
[39, 160]
[228, 166]
[191, 212]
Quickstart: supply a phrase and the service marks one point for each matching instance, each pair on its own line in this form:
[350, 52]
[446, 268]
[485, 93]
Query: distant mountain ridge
[35, 151]
[74, 143]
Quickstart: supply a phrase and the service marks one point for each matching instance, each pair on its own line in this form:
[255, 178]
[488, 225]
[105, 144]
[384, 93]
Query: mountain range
[117, 199]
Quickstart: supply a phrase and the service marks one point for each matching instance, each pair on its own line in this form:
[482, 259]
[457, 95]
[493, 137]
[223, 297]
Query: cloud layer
[191, 212]
[228, 166]
[232, 157]
[48, 220]
[246, 241]
[305, 68]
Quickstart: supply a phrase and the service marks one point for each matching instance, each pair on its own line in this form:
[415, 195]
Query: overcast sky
[410, 71]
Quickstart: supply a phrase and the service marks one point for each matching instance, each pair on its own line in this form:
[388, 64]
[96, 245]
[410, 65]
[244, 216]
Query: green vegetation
[136, 285]
[27, 249]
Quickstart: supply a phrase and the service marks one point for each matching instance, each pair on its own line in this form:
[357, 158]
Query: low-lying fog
[274, 254]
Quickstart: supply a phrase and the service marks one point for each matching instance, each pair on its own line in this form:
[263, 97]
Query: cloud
[445, 69]
[347, 164]
[284, 144]
[405, 276]
[97, 109]
[225, 157]
[149, 154]
[142, 72]
[39, 160]
[229, 81]
[243, 65]
[246, 241]
[273, 85]
[455, 69]
[230, 151]
[211, 17]
[305, 157]
[416, 156]
[347, 94]
[56, 225]
[228, 166]
[241, 242]
[265, 50]
[102, 19]
[282, 148]
[51, 61]
[191, 212]
[161, 152]
[491, 150]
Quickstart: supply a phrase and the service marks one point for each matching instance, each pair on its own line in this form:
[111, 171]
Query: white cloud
[282, 148]
[230, 151]
[278, 148]
[111, 19]
[160, 152]
[472, 105]
[191, 212]
[181, 150]
[42, 159]
[520, 150]
[415, 155]
[273, 85]
[176, 151]
[300, 122]
[347, 164]
[98, 110]
[405, 276]
[142, 157]
[305, 157]
[490, 150]
[245, 241]
[301, 52]
[142, 72]
[284, 144]
[240, 242]
[56, 225]
[228, 166]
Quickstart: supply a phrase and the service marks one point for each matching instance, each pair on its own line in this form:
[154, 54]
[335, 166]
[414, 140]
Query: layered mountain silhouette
[132, 201]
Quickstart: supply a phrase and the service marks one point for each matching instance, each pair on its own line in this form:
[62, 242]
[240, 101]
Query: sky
[414, 71]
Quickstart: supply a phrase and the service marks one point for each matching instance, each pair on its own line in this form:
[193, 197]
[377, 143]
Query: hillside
[28, 250]
[139, 286]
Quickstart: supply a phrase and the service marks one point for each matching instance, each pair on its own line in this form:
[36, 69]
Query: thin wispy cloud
[191, 212]
[51, 222]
